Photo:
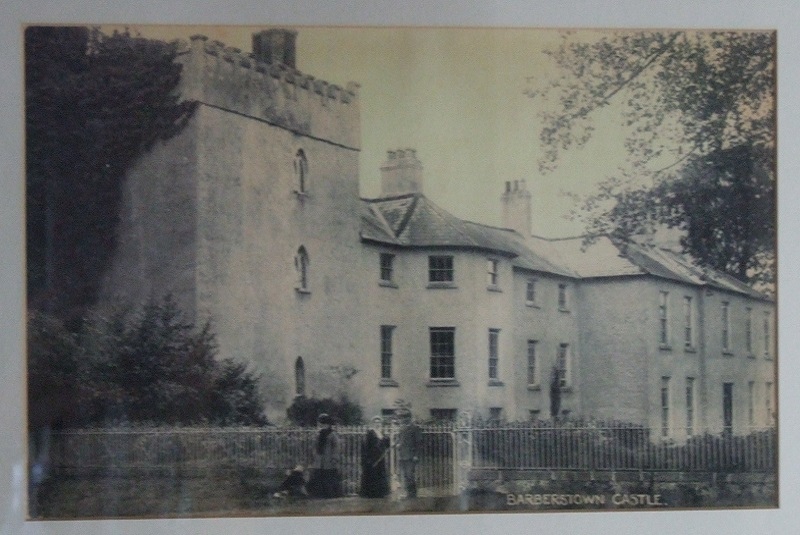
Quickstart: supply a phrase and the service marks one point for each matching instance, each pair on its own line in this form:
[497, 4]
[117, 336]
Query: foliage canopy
[149, 366]
[93, 104]
[699, 112]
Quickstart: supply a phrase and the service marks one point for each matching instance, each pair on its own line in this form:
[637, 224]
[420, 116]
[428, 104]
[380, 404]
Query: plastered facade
[218, 216]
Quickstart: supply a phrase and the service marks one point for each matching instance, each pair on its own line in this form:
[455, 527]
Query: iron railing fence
[198, 449]
[616, 446]
[449, 450]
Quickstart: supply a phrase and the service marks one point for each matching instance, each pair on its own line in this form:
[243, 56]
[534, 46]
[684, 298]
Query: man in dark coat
[409, 440]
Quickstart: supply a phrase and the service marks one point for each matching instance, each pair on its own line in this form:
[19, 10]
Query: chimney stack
[401, 173]
[275, 46]
[516, 201]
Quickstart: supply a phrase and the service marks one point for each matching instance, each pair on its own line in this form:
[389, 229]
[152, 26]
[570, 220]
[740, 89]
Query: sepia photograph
[310, 270]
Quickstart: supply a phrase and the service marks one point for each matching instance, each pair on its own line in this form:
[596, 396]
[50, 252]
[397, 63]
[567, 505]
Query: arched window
[301, 171]
[301, 265]
[299, 377]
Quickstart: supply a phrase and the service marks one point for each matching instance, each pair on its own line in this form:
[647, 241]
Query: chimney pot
[516, 203]
[277, 45]
[401, 173]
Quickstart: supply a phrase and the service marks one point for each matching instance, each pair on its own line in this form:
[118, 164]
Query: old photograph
[312, 270]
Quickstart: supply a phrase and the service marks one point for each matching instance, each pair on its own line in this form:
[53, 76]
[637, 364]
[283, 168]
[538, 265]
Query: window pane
[665, 406]
[663, 319]
[386, 351]
[491, 270]
[493, 353]
[530, 292]
[442, 352]
[387, 261]
[748, 330]
[689, 406]
[440, 269]
[725, 326]
[532, 376]
[687, 322]
[562, 362]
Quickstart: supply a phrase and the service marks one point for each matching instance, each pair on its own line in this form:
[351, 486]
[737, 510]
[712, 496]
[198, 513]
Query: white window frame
[532, 363]
[563, 358]
[439, 359]
[666, 428]
[530, 292]
[441, 274]
[492, 273]
[691, 403]
[768, 398]
[663, 319]
[563, 302]
[688, 322]
[748, 331]
[725, 333]
[387, 351]
[386, 268]
[494, 354]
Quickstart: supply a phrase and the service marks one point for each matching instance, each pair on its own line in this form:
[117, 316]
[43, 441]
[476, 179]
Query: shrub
[304, 411]
[149, 366]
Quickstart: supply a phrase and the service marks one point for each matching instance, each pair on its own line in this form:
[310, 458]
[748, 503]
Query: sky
[456, 96]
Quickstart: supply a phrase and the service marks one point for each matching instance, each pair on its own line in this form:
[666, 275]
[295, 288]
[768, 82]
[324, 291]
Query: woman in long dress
[374, 453]
[326, 481]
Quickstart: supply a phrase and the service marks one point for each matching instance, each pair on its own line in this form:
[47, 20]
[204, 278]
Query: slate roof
[413, 220]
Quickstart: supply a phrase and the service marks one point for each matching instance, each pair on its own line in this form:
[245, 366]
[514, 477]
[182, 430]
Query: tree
[54, 376]
[148, 366]
[93, 104]
[699, 109]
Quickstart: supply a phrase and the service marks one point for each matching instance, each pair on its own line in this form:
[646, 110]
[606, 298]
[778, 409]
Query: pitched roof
[599, 259]
[671, 264]
[412, 220]
[606, 258]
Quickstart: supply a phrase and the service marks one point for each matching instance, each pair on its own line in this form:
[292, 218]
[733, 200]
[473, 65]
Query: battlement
[228, 78]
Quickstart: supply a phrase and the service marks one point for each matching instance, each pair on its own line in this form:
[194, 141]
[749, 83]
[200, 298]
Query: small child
[294, 485]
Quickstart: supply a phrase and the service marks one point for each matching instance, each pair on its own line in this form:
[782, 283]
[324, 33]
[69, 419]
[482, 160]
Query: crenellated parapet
[230, 79]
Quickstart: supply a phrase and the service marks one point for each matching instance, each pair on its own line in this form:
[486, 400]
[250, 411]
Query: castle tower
[516, 201]
[249, 216]
[401, 173]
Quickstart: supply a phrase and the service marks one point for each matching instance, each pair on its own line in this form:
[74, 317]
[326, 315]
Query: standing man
[409, 441]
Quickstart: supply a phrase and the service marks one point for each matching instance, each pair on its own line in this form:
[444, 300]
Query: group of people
[325, 480]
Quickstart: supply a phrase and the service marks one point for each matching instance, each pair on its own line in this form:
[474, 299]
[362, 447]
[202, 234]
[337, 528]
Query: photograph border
[783, 16]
